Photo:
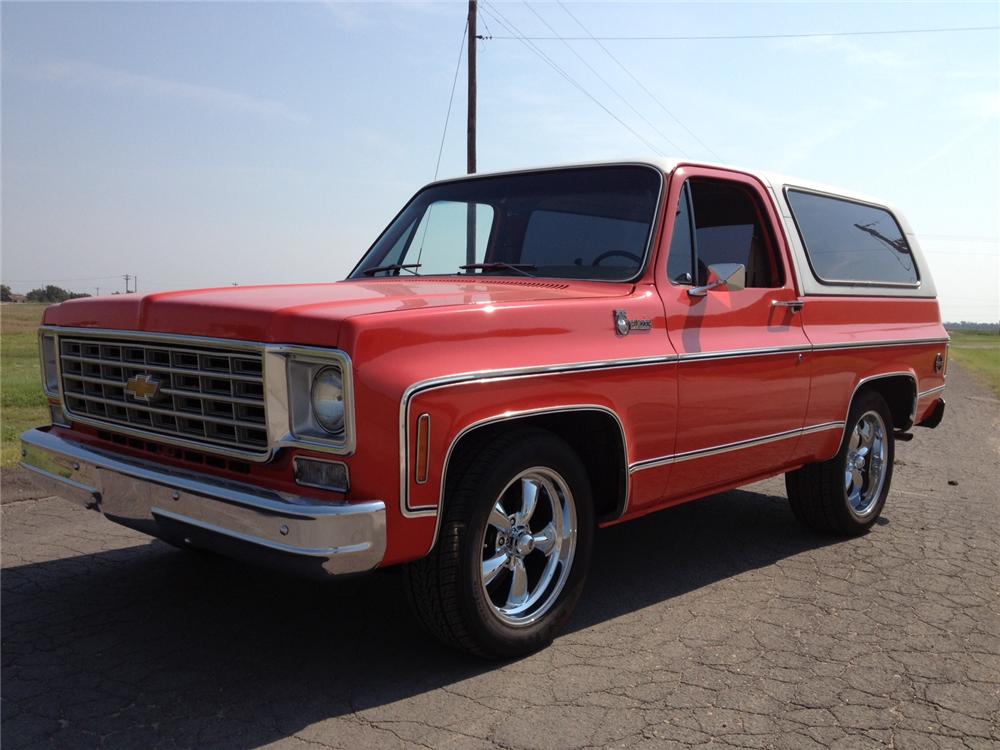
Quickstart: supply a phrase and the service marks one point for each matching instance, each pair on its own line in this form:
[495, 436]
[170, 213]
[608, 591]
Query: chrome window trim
[789, 188]
[654, 225]
[276, 396]
[652, 463]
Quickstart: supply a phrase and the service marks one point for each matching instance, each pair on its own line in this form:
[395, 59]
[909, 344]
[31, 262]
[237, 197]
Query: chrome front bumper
[188, 508]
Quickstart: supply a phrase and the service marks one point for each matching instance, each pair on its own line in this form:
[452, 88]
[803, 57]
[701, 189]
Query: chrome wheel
[865, 464]
[528, 546]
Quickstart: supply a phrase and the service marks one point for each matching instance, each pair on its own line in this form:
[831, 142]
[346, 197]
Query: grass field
[979, 352]
[22, 403]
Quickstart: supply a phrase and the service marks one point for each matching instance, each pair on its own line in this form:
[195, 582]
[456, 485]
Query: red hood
[302, 313]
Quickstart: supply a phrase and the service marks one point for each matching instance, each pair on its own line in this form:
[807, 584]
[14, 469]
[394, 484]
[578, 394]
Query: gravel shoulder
[719, 624]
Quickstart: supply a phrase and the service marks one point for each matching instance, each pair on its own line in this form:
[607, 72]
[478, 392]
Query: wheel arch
[595, 432]
[899, 389]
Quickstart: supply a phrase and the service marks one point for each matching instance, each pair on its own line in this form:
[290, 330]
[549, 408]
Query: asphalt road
[717, 624]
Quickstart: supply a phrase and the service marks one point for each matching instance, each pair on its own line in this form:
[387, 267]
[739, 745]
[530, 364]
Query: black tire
[817, 491]
[445, 589]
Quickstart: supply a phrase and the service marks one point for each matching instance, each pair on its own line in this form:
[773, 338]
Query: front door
[743, 369]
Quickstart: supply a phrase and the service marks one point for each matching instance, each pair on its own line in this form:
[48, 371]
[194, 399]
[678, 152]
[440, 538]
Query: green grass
[979, 352]
[22, 402]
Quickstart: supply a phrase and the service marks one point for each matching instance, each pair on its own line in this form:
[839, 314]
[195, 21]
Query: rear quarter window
[848, 242]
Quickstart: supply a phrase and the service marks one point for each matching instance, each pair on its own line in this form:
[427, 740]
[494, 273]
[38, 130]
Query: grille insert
[206, 395]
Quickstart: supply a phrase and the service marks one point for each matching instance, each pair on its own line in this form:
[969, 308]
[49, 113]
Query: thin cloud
[91, 74]
[849, 51]
[980, 110]
[347, 15]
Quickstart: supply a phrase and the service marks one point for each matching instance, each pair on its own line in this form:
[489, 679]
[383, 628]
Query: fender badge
[623, 325]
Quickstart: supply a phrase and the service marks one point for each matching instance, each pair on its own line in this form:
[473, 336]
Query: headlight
[327, 396]
[320, 399]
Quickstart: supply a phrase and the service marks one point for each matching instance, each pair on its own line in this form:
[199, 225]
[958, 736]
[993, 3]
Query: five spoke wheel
[528, 545]
[864, 463]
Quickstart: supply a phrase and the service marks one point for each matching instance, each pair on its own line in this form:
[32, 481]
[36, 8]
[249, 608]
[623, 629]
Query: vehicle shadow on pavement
[145, 643]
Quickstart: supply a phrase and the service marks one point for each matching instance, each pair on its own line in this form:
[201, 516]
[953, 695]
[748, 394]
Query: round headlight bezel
[328, 408]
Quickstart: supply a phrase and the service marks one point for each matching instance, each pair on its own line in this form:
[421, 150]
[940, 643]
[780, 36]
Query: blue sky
[198, 144]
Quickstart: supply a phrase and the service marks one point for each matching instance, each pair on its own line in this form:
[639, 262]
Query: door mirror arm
[733, 276]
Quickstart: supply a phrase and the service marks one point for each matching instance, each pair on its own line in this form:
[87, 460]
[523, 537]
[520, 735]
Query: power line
[603, 80]
[58, 281]
[959, 237]
[639, 83]
[451, 98]
[500, 18]
[961, 252]
[727, 37]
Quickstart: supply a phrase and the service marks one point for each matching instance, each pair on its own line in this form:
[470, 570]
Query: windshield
[582, 223]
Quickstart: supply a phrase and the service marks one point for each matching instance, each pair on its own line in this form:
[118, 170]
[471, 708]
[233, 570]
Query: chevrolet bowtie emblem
[142, 387]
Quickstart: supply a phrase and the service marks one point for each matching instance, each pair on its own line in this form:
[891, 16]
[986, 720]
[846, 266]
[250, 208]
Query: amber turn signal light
[423, 447]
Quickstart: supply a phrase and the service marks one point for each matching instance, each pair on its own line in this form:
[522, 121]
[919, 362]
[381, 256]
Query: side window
[680, 262]
[439, 242]
[730, 228]
[849, 242]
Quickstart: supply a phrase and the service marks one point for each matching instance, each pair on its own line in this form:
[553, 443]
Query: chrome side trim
[882, 376]
[513, 415]
[734, 353]
[493, 376]
[879, 344]
[930, 392]
[652, 463]
[542, 370]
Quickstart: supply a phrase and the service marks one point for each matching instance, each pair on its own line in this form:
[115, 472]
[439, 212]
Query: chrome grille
[207, 395]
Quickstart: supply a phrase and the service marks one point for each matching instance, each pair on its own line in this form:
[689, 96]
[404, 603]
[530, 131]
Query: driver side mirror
[733, 276]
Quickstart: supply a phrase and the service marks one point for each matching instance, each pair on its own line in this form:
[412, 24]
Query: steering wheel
[616, 254]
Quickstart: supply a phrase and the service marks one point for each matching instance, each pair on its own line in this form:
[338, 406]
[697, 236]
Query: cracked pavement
[720, 623]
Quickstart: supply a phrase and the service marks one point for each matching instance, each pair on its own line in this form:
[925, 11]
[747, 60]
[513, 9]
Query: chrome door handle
[794, 305]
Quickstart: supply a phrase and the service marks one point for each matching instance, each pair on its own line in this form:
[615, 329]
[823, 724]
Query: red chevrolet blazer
[517, 359]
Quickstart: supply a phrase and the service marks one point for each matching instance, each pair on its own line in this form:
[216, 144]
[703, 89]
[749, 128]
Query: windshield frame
[357, 275]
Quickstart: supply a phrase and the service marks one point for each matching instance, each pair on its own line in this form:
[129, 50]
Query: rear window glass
[849, 242]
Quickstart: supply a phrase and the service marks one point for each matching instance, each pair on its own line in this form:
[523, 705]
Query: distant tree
[4, 293]
[52, 294]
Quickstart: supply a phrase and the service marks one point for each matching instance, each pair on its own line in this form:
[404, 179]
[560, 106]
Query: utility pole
[470, 209]
[97, 291]
[471, 128]
[127, 277]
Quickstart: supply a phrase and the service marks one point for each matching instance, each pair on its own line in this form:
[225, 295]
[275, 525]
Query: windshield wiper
[498, 265]
[393, 267]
